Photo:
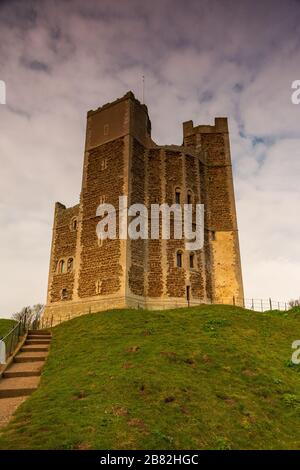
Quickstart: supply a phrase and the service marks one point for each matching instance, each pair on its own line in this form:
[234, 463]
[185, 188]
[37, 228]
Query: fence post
[252, 304]
[24, 323]
[10, 343]
[233, 298]
[285, 305]
[261, 304]
[270, 301]
[15, 339]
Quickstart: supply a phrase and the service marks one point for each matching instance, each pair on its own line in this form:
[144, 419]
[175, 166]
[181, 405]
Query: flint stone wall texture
[100, 263]
[64, 248]
[122, 159]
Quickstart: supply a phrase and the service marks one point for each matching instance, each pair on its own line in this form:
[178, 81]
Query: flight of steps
[22, 377]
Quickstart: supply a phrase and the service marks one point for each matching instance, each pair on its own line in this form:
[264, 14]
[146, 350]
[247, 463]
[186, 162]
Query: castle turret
[211, 144]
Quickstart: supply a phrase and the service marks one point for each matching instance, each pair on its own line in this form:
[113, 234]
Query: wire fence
[258, 305]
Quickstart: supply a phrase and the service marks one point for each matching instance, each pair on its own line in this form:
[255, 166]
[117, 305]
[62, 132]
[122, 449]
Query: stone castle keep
[89, 275]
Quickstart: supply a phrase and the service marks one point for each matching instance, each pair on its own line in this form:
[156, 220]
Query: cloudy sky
[201, 59]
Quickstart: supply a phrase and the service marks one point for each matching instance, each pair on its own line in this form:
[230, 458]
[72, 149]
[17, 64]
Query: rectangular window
[191, 261]
[103, 164]
[177, 197]
[98, 287]
[64, 294]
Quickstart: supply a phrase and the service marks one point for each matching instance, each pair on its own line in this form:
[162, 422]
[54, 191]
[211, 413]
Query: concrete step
[22, 376]
[18, 386]
[39, 332]
[26, 373]
[31, 348]
[37, 341]
[32, 354]
[22, 358]
[26, 367]
[16, 392]
[37, 337]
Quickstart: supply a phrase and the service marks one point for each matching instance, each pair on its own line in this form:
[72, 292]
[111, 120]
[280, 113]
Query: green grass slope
[211, 377]
[5, 326]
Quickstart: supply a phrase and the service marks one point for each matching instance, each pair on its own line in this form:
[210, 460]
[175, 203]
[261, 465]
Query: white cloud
[266, 104]
[199, 62]
[269, 205]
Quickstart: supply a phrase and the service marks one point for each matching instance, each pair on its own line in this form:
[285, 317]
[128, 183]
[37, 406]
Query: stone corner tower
[120, 159]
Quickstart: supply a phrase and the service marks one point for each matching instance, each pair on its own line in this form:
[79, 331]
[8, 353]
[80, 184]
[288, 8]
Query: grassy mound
[211, 377]
[5, 326]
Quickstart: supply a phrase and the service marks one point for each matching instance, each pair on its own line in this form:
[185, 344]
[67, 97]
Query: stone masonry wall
[155, 273]
[136, 274]
[174, 179]
[100, 269]
[224, 279]
[219, 211]
[64, 247]
[193, 186]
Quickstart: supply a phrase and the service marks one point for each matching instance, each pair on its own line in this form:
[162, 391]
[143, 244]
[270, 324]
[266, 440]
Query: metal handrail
[10, 332]
[11, 339]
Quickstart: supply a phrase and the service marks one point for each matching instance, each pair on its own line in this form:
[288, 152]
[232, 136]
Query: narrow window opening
[70, 265]
[98, 287]
[64, 294]
[74, 224]
[102, 199]
[103, 164]
[179, 259]
[192, 263]
[61, 267]
[177, 196]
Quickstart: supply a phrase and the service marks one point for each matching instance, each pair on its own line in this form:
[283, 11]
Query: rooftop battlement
[128, 96]
[220, 126]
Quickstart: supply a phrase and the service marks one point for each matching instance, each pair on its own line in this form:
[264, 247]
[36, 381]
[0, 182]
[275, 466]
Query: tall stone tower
[120, 159]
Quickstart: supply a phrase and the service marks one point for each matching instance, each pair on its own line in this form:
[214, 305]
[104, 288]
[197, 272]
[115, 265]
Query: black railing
[11, 339]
